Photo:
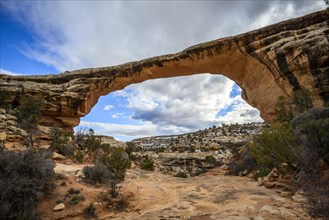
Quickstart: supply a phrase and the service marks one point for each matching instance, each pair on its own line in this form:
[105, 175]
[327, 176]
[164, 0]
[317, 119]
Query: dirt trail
[159, 196]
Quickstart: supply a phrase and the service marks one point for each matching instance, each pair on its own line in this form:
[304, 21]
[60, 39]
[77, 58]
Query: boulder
[225, 167]
[3, 136]
[67, 170]
[59, 207]
[57, 156]
[299, 197]
[269, 184]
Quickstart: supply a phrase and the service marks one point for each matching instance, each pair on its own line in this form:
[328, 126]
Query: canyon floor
[153, 195]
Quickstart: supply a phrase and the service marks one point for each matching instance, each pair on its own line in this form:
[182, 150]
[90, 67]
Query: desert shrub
[59, 176]
[73, 196]
[109, 169]
[191, 149]
[60, 139]
[76, 199]
[97, 173]
[106, 148]
[89, 211]
[24, 179]
[312, 155]
[117, 164]
[243, 160]
[159, 150]
[181, 174]
[87, 141]
[302, 100]
[72, 191]
[131, 147]
[4, 99]
[286, 110]
[79, 155]
[28, 112]
[316, 191]
[121, 203]
[261, 172]
[67, 150]
[210, 159]
[147, 163]
[312, 128]
[274, 147]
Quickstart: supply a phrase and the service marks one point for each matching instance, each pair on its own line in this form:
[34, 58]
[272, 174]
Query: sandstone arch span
[265, 63]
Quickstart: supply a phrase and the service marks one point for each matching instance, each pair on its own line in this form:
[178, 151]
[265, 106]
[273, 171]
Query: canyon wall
[266, 63]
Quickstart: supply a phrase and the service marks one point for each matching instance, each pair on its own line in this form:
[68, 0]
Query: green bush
[130, 148]
[24, 179]
[191, 149]
[106, 148]
[87, 141]
[109, 169]
[274, 147]
[79, 155]
[73, 196]
[76, 199]
[261, 172]
[72, 191]
[4, 99]
[243, 160]
[147, 164]
[97, 173]
[312, 155]
[286, 110]
[312, 128]
[181, 174]
[28, 112]
[117, 164]
[210, 159]
[89, 212]
[60, 141]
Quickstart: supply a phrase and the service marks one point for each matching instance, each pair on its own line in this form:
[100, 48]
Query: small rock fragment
[59, 207]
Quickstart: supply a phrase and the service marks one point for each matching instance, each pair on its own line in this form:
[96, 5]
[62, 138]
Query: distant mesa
[266, 63]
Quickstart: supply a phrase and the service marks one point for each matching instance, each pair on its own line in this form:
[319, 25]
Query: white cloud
[187, 103]
[78, 34]
[119, 115]
[241, 113]
[108, 107]
[3, 71]
[116, 130]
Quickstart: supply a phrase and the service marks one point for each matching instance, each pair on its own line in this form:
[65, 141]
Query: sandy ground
[210, 196]
[153, 195]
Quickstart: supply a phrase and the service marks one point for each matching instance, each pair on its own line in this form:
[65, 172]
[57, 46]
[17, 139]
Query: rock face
[192, 164]
[266, 63]
[188, 164]
[9, 132]
[111, 141]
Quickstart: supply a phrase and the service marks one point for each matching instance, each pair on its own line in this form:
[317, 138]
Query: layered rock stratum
[266, 63]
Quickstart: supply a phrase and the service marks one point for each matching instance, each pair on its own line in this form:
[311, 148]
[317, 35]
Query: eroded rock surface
[266, 63]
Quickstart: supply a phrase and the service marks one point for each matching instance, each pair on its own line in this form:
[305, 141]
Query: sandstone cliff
[266, 63]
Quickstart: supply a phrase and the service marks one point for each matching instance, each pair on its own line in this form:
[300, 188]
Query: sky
[50, 37]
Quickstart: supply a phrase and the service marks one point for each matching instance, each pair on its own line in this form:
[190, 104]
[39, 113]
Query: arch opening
[170, 106]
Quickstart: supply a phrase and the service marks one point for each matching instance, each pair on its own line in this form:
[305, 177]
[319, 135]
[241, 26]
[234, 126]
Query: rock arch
[265, 63]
